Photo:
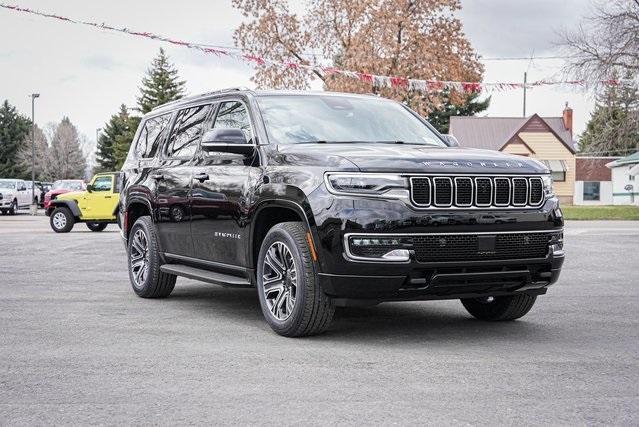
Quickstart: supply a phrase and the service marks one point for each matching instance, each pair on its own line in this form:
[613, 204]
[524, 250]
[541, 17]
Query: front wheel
[290, 294]
[96, 226]
[144, 262]
[13, 209]
[61, 220]
[500, 308]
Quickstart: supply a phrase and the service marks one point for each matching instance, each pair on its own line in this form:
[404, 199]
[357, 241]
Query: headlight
[392, 186]
[548, 191]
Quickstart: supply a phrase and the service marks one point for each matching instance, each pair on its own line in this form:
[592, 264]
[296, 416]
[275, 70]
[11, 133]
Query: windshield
[295, 119]
[67, 185]
[7, 184]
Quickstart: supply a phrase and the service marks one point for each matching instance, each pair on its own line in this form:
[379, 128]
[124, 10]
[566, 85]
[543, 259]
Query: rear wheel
[96, 226]
[61, 220]
[291, 298]
[144, 262]
[500, 308]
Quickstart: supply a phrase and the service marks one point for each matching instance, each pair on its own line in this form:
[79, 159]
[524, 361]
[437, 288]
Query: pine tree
[469, 106]
[118, 125]
[14, 128]
[613, 128]
[66, 159]
[160, 85]
[123, 140]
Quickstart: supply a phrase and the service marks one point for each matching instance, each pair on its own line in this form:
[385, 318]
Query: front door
[100, 202]
[173, 181]
[220, 194]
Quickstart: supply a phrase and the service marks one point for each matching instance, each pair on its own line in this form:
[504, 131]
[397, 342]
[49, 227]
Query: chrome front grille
[476, 191]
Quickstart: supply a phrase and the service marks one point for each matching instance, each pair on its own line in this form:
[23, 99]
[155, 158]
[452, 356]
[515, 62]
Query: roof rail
[201, 95]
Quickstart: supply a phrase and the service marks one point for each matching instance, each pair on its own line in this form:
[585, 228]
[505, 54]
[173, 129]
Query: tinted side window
[152, 133]
[102, 183]
[186, 132]
[233, 114]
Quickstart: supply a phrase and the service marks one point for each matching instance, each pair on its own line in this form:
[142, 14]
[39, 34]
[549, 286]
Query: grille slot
[463, 191]
[502, 191]
[520, 191]
[483, 191]
[443, 191]
[536, 191]
[421, 191]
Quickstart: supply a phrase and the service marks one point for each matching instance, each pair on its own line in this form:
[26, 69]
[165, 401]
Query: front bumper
[351, 279]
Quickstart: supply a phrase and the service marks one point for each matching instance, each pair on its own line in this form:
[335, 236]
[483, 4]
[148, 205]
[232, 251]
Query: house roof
[628, 160]
[492, 133]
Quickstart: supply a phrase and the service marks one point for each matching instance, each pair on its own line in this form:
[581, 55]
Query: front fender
[72, 205]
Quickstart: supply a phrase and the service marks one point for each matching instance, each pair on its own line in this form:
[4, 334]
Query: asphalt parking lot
[78, 347]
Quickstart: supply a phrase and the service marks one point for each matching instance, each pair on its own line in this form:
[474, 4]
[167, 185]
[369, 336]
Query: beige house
[548, 139]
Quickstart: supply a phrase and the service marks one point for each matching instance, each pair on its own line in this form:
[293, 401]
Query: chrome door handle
[201, 176]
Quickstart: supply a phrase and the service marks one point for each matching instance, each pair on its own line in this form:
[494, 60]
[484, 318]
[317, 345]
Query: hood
[7, 192]
[57, 191]
[70, 195]
[423, 159]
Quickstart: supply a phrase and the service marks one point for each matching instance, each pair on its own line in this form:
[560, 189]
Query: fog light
[397, 255]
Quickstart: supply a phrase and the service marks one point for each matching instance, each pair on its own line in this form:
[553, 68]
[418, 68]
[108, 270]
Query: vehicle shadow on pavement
[385, 323]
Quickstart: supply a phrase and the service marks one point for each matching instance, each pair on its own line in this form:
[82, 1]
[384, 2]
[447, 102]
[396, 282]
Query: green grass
[601, 212]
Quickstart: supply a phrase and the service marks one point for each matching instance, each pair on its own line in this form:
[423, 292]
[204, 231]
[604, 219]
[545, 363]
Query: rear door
[220, 194]
[173, 180]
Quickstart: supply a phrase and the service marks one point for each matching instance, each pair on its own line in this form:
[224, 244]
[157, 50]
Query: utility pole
[525, 80]
[34, 206]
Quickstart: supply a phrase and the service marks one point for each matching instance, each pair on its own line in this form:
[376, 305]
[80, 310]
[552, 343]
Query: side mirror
[89, 188]
[227, 140]
[451, 140]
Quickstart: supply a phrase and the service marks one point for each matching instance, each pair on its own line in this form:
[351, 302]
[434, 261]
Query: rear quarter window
[151, 135]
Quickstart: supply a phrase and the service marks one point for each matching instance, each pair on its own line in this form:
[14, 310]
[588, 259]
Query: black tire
[13, 209]
[154, 283]
[500, 308]
[312, 310]
[61, 220]
[96, 226]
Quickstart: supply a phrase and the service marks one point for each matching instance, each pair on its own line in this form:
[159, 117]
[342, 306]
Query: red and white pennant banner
[373, 79]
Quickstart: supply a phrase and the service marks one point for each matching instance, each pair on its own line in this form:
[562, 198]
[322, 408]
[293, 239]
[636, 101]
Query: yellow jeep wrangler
[97, 206]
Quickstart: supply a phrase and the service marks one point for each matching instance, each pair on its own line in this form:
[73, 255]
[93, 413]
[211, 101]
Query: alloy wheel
[279, 279]
[139, 258]
[59, 220]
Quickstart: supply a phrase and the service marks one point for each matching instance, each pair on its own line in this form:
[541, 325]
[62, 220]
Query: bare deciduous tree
[409, 38]
[606, 44]
[66, 159]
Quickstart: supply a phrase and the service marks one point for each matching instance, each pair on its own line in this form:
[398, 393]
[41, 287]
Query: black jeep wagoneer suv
[325, 199]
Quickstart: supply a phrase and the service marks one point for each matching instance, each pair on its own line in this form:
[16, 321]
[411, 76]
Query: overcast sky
[86, 74]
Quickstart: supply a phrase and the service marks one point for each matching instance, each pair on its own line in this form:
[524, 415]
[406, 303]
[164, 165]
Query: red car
[63, 186]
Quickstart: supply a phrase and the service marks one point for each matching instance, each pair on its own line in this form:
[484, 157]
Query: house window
[591, 190]
[557, 169]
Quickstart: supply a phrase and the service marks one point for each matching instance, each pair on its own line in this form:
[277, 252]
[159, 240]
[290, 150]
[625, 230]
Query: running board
[204, 275]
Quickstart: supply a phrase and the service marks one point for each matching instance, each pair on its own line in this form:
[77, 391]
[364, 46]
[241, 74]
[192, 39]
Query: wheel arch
[135, 208]
[272, 212]
[72, 205]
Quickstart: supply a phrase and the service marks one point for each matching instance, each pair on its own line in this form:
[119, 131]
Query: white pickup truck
[14, 195]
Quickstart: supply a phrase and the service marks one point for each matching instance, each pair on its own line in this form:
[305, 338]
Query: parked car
[44, 189]
[325, 199]
[37, 192]
[14, 195]
[97, 206]
[63, 186]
